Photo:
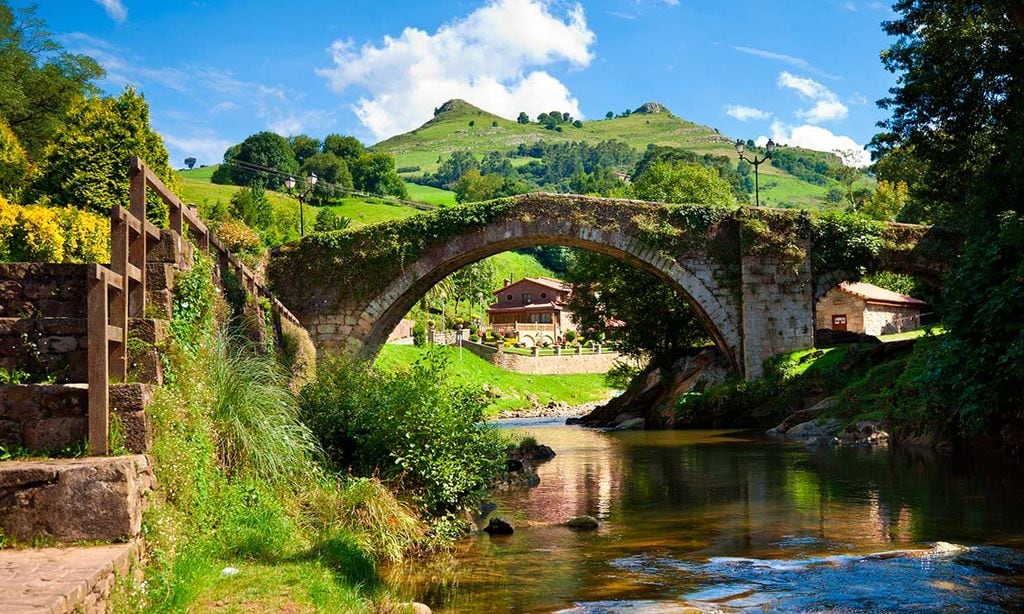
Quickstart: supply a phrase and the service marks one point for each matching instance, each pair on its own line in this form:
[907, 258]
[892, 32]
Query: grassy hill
[450, 130]
[197, 188]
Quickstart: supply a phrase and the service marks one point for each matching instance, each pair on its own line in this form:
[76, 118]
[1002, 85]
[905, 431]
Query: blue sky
[805, 72]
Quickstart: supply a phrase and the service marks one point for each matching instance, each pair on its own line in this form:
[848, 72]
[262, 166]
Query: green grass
[197, 188]
[914, 334]
[515, 266]
[430, 195]
[474, 371]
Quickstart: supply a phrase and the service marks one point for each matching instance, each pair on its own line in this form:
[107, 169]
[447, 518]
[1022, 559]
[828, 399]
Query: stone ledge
[98, 498]
[64, 579]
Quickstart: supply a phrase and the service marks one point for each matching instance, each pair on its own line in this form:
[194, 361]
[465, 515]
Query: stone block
[170, 249]
[70, 500]
[159, 304]
[159, 276]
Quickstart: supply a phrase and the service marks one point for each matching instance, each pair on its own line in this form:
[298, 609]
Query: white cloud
[484, 58]
[115, 9]
[819, 139]
[800, 63]
[204, 146]
[746, 113]
[224, 107]
[312, 120]
[827, 106]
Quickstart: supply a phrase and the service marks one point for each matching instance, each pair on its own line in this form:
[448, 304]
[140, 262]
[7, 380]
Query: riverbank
[553, 409]
[506, 391]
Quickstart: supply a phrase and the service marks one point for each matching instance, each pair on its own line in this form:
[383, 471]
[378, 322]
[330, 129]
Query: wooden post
[119, 240]
[137, 246]
[99, 370]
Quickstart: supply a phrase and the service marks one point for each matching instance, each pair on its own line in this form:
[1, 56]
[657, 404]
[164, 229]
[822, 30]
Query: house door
[839, 322]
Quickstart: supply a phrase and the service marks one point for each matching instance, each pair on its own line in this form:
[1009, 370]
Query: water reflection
[728, 518]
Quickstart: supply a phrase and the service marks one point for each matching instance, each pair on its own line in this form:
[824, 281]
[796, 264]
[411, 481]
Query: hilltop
[459, 125]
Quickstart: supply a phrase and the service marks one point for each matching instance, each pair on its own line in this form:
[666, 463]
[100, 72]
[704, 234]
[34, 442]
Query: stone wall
[888, 319]
[567, 363]
[836, 302]
[778, 312]
[50, 419]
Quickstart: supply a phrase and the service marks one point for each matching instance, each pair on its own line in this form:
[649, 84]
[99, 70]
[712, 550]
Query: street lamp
[310, 183]
[770, 146]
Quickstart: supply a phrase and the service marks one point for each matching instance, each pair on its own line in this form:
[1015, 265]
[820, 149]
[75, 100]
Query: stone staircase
[45, 411]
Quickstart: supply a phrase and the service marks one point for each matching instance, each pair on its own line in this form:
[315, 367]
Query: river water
[733, 521]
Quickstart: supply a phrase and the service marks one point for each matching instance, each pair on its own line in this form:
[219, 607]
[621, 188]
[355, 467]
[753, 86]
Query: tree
[250, 205]
[683, 183]
[474, 187]
[887, 201]
[959, 104]
[458, 164]
[190, 162]
[523, 118]
[264, 157]
[303, 147]
[609, 115]
[608, 293]
[86, 165]
[329, 221]
[14, 164]
[334, 177]
[470, 281]
[348, 148]
[375, 173]
[39, 81]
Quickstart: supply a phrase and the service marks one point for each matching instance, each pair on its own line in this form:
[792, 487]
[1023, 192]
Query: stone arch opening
[395, 301]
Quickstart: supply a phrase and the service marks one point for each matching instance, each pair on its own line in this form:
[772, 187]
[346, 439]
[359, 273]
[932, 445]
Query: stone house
[534, 308]
[865, 308]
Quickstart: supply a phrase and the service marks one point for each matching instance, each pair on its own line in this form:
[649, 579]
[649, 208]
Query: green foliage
[86, 164]
[256, 416]
[332, 173]
[303, 147]
[722, 165]
[375, 173]
[621, 375]
[417, 429]
[242, 162]
[683, 183]
[845, 242]
[523, 118]
[419, 334]
[608, 293]
[52, 234]
[474, 187]
[14, 166]
[347, 148]
[192, 307]
[328, 220]
[39, 80]
[252, 207]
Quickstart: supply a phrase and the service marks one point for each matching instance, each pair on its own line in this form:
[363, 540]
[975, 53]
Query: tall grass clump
[255, 414]
[418, 430]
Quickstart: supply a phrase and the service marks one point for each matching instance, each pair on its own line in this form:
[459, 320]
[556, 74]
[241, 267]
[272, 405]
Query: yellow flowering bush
[38, 233]
[238, 237]
[14, 166]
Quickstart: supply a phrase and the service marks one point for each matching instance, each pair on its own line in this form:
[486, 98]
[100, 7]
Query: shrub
[256, 416]
[47, 234]
[239, 238]
[327, 220]
[14, 166]
[415, 429]
[419, 334]
[570, 336]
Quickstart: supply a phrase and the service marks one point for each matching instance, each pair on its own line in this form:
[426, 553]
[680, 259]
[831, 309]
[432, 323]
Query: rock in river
[497, 526]
[582, 523]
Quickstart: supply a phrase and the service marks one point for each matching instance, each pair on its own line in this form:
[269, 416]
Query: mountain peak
[650, 108]
[457, 106]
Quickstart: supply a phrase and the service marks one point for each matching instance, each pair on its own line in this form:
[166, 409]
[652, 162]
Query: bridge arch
[747, 272]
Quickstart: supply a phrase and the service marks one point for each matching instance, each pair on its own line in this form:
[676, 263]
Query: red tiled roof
[550, 282]
[873, 294]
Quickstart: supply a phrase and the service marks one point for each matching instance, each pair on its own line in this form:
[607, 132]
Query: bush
[415, 429]
[237, 237]
[14, 165]
[327, 220]
[256, 416]
[49, 234]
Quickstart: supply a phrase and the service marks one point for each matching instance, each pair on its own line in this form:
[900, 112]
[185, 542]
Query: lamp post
[770, 146]
[310, 183]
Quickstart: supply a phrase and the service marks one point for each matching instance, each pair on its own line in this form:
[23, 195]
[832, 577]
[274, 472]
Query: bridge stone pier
[748, 273]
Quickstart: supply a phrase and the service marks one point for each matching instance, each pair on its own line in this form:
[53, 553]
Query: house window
[509, 297]
[527, 298]
[839, 322]
[543, 295]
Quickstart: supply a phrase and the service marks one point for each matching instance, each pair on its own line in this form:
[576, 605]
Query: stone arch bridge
[752, 274]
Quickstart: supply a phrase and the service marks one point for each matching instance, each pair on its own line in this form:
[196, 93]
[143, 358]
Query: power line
[252, 167]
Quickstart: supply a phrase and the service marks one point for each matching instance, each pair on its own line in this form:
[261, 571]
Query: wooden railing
[118, 292]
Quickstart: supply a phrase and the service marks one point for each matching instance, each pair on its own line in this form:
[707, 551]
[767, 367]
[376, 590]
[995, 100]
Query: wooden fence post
[99, 369]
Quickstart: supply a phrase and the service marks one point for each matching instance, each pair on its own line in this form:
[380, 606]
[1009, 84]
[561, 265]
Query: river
[734, 521]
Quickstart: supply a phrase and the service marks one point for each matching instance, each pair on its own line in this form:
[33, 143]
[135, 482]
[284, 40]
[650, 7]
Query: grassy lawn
[430, 195]
[370, 211]
[474, 371]
[937, 329]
